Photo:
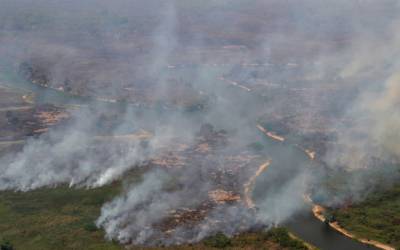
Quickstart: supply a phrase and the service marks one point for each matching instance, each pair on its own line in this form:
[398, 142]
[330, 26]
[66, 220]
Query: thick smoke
[105, 52]
[371, 66]
[72, 155]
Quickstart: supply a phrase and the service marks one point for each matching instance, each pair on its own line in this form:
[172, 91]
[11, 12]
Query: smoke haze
[167, 68]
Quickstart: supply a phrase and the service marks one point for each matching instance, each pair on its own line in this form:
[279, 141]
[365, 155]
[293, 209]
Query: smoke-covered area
[77, 154]
[176, 88]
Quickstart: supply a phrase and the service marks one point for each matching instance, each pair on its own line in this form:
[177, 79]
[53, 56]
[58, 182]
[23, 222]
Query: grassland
[376, 218]
[63, 218]
[58, 218]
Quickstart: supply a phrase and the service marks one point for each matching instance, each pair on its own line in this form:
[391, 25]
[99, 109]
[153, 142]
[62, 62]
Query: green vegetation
[276, 238]
[219, 240]
[59, 218]
[63, 218]
[6, 245]
[283, 238]
[330, 217]
[91, 227]
[376, 218]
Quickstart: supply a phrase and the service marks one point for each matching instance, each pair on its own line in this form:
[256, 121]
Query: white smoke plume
[301, 47]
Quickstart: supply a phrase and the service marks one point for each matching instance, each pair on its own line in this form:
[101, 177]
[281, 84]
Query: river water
[310, 229]
[285, 159]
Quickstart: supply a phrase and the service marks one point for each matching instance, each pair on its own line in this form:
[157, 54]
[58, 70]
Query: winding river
[285, 156]
[303, 224]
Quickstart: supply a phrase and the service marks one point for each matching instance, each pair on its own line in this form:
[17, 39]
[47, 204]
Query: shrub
[281, 236]
[90, 227]
[219, 240]
[6, 245]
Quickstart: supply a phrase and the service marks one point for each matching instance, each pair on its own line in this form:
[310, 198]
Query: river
[285, 157]
[287, 161]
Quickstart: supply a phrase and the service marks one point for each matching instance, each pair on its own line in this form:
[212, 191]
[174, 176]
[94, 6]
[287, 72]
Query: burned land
[186, 124]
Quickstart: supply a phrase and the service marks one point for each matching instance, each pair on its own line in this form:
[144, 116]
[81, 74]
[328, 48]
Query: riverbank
[269, 134]
[319, 212]
[249, 186]
[308, 245]
[74, 228]
[272, 135]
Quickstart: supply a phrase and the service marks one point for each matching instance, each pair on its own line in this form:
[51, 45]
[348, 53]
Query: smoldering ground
[170, 54]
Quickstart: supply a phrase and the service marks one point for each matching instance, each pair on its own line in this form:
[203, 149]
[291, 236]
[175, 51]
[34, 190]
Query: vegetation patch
[6, 245]
[63, 218]
[376, 218]
[283, 238]
[59, 218]
[218, 240]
